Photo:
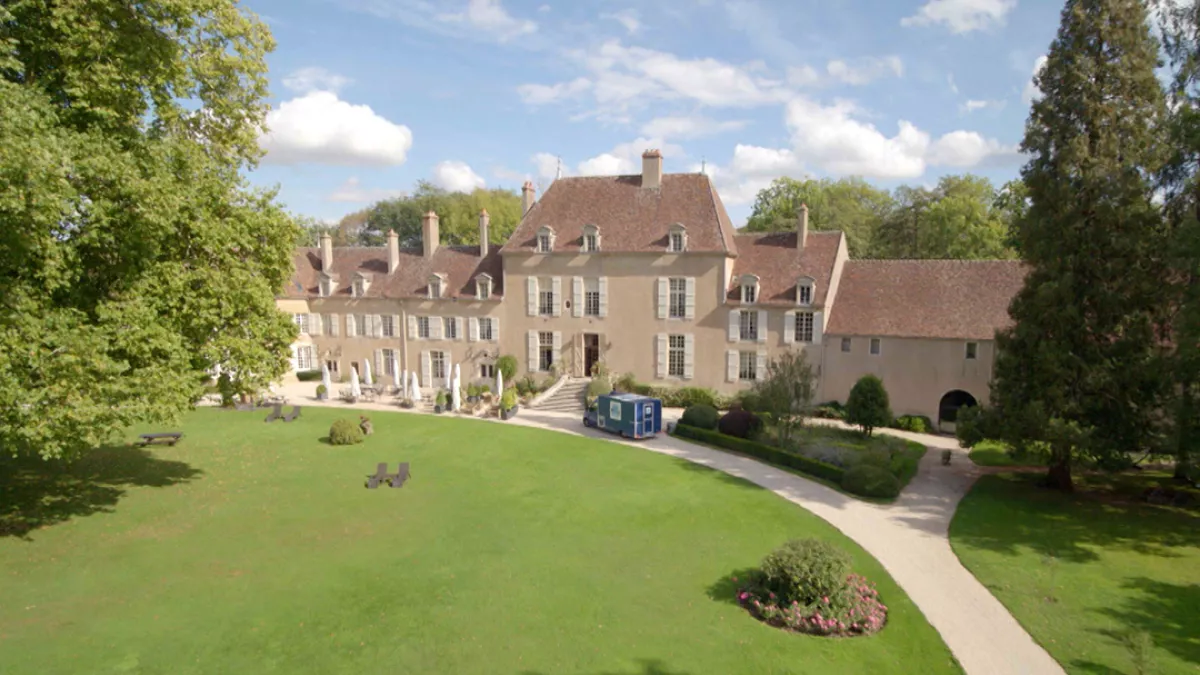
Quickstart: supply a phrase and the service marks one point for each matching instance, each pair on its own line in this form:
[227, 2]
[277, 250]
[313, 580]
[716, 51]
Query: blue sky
[370, 96]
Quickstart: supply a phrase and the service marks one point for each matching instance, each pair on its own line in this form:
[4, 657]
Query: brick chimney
[326, 253]
[802, 228]
[484, 221]
[652, 169]
[393, 251]
[429, 233]
[528, 195]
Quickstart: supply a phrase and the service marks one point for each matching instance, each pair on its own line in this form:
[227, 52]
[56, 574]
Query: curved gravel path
[910, 538]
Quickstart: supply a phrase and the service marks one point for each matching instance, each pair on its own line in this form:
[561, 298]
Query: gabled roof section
[774, 259]
[458, 265]
[940, 299]
[630, 218]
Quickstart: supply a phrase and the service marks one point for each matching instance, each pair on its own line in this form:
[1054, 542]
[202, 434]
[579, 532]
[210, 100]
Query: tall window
[748, 325]
[389, 361]
[423, 327]
[804, 293]
[360, 325]
[972, 350]
[747, 366]
[487, 371]
[876, 347]
[437, 361]
[804, 326]
[327, 323]
[676, 242]
[304, 358]
[487, 331]
[678, 307]
[388, 325]
[451, 332]
[545, 297]
[749, 293]
[435, 287]
[301, 321]
[591, 297]
[483, 288]
[545, 350]
[333, 367]
[675, 355]
[545, 240]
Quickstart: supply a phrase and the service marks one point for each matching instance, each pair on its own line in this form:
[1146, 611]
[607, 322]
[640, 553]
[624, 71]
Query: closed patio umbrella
[455, 385]
[415, 394]
[325, 379]
[355, 389]
[367, 373]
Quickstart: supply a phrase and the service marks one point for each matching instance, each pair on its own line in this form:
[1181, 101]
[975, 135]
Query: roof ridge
[937, 260]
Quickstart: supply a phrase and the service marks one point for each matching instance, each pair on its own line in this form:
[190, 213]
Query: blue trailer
[630, 415]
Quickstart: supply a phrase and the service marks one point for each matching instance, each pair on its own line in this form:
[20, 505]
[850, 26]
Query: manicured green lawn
[993, 453]
[254, 548]
[1080, 572]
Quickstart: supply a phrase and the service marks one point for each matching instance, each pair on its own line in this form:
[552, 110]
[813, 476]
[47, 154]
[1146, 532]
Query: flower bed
[856, 610]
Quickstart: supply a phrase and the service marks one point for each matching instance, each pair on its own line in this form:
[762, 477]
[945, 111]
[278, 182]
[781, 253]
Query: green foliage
[870, 480]
[974, 424]
[135, 258]
[599, 385]
[867, 406]
[628, 383]
[345, 432]
[847, 204]
[740, 423]
[1140, 645]
[308, 375]
[458, 216]
[472, 390]
[916, 423]
[485, 389]
[830, 411]
[507, 365]
[700, 416]
[785, 393]
[805, 570]
[766, 453]
[441, 398]
[322, 390]
[508, 399]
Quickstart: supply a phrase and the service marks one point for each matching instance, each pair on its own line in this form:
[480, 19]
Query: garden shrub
[701, 416]
[868, 405]
[768, 454]
[485, 389]
[690, 396]
[308, 375]
[805, 570]
[969, 428]
[507, 365]
[321, 390]
[599, 385]
[740, 423]
[627, 383]
[870, 480]
[828, 413]
[508, 399]
[915, 423]
[345, 432]
[441, 398]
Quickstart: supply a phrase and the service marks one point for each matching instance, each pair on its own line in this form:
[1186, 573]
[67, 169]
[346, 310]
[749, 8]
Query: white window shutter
[435, 328]
[556, 291]
[690, 308]
[531, 296]
[603, 284]
[495, 329]
[734, 327]
[760, 365]
[577, 297]
[314, 324]
[660, 360]
[662, 297]
[376, 324]
[556, 345]
[818, 327]
[473, 329]
[335, 323]
[377, 368]
[689, 356]
[351, 326]
[426, 370]
[731, 365]
[789, 327]
[458, 329]
[762, 325]
[412, 327]
[531, 341]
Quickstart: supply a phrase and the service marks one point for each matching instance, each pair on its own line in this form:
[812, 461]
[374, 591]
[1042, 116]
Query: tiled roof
[774, 259]
[629, 218]
[459, 264]
[948, 299]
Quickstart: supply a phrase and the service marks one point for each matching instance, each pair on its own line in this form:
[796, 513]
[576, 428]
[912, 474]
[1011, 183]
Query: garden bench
[292, 415]
[276, 413]
[402, 475]
[378, 477]
[170, 438]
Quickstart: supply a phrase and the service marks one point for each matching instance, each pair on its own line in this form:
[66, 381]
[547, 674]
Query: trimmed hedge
[764, 452]
[308, 375]
[916, 423]
[871, 481]
[701, 416]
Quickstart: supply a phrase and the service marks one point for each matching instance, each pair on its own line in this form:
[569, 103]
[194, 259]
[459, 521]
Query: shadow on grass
[1170, 613]
[645, 667]
[725, 589]
[35, 493]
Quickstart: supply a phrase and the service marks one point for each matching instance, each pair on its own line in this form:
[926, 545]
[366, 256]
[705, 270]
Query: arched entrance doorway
[949, 406]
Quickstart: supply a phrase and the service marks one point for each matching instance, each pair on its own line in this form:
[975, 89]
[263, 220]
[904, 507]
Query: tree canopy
[134, 256]
[458, 216]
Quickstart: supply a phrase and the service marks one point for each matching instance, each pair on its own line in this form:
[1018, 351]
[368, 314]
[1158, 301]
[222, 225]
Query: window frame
[301, 321]
[359, 287]
[972, 351]
[390, 361]
[325, 287]
[387, 325]
[875, 347]
[487, 371]
[804, 286]
[748, 325]
[423, 327]
[545, 351]
[449, 328]
[545, 239]
[801, 318]
[437, 360]
[591, 297]
[747, 366]
[546, 297]
[436, 287]
[487, 334]
[360, 325]
[305, 359]
[327, 324]
[590, 241]
[483, 287]
[677, 298]
[676, 355]
[847, 345]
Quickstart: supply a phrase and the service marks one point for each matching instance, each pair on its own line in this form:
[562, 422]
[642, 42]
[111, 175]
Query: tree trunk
[1185, 425]
[1059, 477]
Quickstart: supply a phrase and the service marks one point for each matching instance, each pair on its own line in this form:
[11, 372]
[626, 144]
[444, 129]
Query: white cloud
[538, 94]
[751, 169]
[863, 71]
[322, 129]
[1031, 91]
[693, 126]
[803, 76]
[629, 18]
[314, 78]
[489, 16]
[961, 16]
[965, 149]
[979, 104]
[626, 158]
[456, 177]
[353, 192]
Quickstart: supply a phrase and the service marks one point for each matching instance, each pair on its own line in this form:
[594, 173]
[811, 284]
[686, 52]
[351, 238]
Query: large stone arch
[949, 405]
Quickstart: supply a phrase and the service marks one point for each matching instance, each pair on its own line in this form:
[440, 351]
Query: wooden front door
[591, 352]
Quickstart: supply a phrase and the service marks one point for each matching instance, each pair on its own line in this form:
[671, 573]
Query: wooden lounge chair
[402, 474]
[169, 437]
[378, 477]
[276, 413]
[292, 415]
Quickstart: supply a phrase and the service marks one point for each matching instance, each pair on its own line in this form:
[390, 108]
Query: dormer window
[545, 239]
[435, 286]
[591, 239]
[483, 287]
[749, 289]
[325, 287]
[805, 290]
[359, 289]
[677, 239]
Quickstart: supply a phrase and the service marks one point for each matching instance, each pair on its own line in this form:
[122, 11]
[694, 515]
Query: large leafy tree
[849, 204]
[958, 219]
[458, 216]
[133, 256]
[1078, 370]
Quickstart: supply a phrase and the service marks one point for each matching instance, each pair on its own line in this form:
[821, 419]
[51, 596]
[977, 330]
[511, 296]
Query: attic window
[805, 289]
[360, 287]
[677, 239]
[749, 289]
[435, 286]
[545, 239]
[591, 239]
[325, 287]
[483, 287]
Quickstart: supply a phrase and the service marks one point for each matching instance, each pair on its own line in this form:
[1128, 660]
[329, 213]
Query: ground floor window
[804, 326]
[747, 366]
[437, 361]
[389, 361]
[487, 371]
[675, 356]
[333, 367]
[304, 358]
[301, 321]
[545, 351]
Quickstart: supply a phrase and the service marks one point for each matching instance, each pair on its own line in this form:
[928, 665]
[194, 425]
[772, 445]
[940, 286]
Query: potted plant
[322, 392]
[439, 403]
[472, 393]
[508, 404]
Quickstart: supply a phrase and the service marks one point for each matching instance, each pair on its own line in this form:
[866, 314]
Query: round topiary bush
[701, 416]
[345, 432]
[805, 570]
[870, 480]
[740, 423]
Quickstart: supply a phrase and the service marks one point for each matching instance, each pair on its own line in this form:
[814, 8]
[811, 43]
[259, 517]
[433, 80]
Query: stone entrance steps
[569, 397]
